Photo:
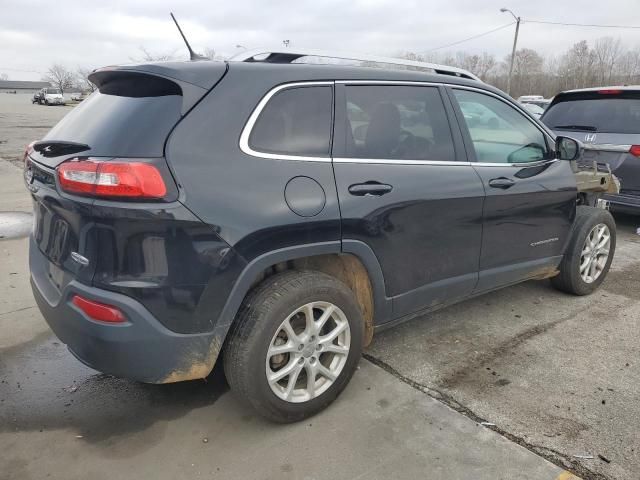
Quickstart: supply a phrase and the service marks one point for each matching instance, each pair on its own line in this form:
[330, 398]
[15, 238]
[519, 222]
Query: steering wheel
[411, 146]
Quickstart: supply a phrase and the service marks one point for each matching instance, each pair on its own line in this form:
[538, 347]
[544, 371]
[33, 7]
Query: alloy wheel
[308, 352]
[595, 253]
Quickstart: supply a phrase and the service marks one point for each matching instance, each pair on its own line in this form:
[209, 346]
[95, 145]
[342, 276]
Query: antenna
[192, 55]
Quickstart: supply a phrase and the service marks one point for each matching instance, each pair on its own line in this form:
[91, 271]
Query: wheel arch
[352, 262]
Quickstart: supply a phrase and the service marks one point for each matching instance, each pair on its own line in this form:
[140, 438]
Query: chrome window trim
[246, 131]
[390, 161]
[537, 163]
[545, 134]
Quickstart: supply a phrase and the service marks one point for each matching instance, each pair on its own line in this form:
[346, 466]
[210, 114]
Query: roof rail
[288, 55]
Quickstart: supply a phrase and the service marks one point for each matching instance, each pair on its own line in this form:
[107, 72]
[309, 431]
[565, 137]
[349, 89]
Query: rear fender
[253, 271]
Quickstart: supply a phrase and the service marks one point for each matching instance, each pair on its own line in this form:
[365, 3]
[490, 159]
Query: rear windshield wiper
[55, 148]
[588, 128]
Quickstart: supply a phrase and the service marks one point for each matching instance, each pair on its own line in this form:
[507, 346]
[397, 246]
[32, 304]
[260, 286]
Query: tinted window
[115, 125]
[612, 115]
[296, 121]
[397, 123]
[499, 132]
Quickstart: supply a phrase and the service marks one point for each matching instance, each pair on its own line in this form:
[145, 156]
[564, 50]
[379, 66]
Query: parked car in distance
[533, 109]
[529, 98]
[52, 96]
[279, 215]
[607, 121]
[77, 96]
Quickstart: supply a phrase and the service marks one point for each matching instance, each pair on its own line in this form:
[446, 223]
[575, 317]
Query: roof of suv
[597, 89]
[206, 73]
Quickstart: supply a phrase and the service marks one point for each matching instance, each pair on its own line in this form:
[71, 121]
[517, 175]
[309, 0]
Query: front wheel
[295, 345]
[589, 253]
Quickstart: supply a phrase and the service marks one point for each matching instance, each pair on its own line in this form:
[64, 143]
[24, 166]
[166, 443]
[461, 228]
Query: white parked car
[533, 109]
[52, 96]
[530, 98]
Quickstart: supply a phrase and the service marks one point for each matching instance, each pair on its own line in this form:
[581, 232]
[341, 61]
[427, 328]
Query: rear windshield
[609, 115]
[116, 125]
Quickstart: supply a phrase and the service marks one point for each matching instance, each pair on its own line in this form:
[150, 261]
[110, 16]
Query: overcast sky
[35, 34]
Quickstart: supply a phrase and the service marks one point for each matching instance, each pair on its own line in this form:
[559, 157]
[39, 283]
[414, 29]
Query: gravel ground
[22, 122]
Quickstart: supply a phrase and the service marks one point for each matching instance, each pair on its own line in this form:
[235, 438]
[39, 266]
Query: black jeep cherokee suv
[277, 215]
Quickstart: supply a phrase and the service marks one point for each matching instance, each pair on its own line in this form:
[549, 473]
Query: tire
[259, 327]
[571, 279]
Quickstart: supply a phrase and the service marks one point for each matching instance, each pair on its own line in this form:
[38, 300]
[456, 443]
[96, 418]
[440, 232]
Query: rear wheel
[589, 253]
[295, 345]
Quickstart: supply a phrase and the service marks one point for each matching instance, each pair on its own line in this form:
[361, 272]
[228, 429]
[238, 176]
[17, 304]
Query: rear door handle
[371, 188]
[501, 182]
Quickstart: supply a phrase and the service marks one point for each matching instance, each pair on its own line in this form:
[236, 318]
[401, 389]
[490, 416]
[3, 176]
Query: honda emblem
[590, 137]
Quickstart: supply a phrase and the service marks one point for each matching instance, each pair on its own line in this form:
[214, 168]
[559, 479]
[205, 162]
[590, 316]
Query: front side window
[499, 132]
[397, 122]
[295, 121]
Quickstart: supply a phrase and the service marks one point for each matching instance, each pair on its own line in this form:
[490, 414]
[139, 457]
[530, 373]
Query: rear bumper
[141, 348]
[624, 203]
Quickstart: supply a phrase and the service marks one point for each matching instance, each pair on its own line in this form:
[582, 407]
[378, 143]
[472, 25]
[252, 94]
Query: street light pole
[513, 51]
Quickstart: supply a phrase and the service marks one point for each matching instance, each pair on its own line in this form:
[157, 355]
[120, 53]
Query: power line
[471, 38]
[581, 24]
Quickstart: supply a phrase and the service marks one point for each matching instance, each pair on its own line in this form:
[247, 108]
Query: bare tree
[607, 50]
[629, 67]
[59, 76]
[82, 77]
[606, 61]
[4, 76]
[147, 56]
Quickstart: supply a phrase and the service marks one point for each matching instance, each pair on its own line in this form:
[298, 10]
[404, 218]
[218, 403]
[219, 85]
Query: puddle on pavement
[43, 387]
[15, 224]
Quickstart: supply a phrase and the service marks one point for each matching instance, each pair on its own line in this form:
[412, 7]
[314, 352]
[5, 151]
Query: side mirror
[568, 148]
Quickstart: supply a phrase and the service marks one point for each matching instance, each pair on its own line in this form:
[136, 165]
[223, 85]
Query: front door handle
[370, 188]
[501, 182]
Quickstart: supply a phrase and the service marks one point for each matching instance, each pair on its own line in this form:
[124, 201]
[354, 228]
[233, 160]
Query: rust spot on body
[193, 366]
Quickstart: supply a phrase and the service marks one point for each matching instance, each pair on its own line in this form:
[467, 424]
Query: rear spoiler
[191, 80]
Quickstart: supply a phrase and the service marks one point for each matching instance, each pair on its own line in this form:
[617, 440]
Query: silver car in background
[607, 121]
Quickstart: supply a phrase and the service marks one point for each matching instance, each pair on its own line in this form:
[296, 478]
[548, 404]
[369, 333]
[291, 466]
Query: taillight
[27, 151]
[635, 150]
[112, 178]
[99, 311]
[609, 91]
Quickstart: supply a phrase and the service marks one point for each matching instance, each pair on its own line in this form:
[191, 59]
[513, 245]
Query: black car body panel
[433, 231]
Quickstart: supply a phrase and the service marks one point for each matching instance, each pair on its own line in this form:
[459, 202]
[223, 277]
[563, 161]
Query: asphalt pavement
[554, 378]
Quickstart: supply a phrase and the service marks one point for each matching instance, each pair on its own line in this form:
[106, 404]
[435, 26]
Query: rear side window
[295, 121]
[129, 116]
[397, 122]
[604, 114]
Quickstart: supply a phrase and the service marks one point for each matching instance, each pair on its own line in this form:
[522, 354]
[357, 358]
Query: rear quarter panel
[242, 196]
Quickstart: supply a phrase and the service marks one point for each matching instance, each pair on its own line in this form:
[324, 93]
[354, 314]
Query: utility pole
[513, 51]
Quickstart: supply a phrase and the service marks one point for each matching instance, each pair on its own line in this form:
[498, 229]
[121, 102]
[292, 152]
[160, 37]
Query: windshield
[52, 91]
[609, 115]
